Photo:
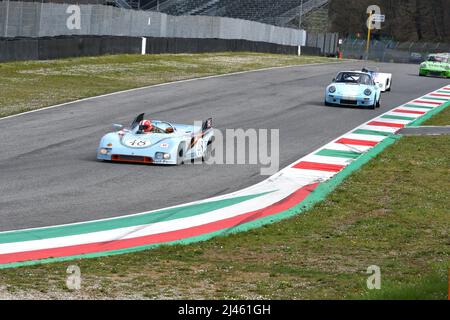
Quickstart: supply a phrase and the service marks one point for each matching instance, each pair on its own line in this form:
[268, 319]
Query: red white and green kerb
[278, 197]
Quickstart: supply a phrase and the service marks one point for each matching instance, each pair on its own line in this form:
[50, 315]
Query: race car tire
[378, 105]
[208, 151]
[327, 104]
[180, 154]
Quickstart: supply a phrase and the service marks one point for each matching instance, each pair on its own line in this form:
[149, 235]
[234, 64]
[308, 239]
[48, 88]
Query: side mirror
[334, 80]
[117, 126]
[169, 130]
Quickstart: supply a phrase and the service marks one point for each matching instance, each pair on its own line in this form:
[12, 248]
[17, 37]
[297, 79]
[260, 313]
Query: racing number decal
[200, 147]
[137, 143]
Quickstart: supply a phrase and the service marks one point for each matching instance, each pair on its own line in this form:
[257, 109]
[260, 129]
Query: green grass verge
[441, 119]
[393, 213]
[32, 85]
[432, 286]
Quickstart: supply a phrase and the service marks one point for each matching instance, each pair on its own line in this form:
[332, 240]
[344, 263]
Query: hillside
[406, 20]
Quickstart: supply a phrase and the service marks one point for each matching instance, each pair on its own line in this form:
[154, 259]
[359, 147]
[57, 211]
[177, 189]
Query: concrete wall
[30, 19]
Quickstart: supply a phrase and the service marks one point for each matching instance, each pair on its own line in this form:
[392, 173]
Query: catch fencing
[327, 43]
[391, 51]
[34, 19]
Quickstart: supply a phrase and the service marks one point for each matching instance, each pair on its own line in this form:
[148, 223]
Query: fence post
[437, 46]
[7, 19]
[40, 19]
[384, 51]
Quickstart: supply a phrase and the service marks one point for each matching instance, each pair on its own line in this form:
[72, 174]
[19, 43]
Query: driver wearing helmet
[147, 126]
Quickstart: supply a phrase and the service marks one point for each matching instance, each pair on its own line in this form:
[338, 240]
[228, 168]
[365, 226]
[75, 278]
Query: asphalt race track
[49, 173]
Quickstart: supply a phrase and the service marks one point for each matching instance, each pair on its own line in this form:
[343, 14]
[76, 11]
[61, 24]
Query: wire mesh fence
[40, 19]
[391, 51]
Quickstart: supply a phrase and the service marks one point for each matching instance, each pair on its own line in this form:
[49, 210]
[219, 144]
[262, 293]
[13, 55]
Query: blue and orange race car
[157, 142]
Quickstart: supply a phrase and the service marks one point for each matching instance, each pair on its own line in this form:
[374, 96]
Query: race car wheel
[208, 151]
[180, 154]
[327, 104]
[378, 105]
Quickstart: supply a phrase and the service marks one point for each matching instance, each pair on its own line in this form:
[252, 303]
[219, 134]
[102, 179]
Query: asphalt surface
[426, 131]
[49, 173]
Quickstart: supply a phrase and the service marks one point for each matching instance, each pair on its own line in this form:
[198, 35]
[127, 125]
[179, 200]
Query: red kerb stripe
[357, 142]
[386, 124]
[318, 166]
[440, 95]
[428, 102]
[409, 111]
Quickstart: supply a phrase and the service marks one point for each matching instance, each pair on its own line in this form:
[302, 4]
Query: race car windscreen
[437, 59]
[353, 77]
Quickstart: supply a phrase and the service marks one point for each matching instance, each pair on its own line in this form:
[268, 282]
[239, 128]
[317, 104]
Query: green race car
[437, 65]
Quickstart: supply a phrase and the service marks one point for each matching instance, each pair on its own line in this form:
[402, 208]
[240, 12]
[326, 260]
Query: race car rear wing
[207, 124]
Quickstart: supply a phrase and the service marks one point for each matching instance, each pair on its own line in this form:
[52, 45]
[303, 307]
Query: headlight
[162, 155]
[332, 89]
[104, 151]
[367, 92]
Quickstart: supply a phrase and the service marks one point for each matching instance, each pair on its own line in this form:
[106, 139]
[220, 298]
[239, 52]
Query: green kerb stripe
[130, 221]
[372, 132]
[338, 154]
[442, 91]
[397, 117]
[436, 98]
[416, 106]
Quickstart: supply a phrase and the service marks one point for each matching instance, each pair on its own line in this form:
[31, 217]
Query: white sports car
[383, 79]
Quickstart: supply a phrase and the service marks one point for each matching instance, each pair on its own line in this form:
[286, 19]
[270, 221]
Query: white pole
[144, 46]
[299, 52]
[7, 18]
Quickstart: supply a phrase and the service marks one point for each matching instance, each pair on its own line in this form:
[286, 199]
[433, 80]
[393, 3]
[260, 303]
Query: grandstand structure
[275, 12]
[282, 13]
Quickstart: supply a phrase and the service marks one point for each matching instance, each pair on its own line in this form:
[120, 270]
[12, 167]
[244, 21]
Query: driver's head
[146, 125]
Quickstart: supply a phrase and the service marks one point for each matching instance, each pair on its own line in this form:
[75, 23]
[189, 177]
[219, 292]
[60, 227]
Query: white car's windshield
[353, 77]
[437, 59]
